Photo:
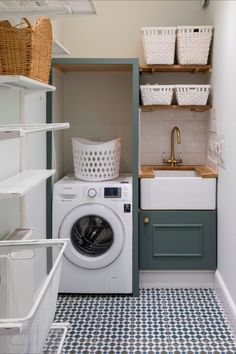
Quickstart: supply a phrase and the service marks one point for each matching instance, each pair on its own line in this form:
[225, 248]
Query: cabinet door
[177, 239]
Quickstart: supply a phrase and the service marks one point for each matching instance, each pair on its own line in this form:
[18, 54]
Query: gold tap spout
[172, 161]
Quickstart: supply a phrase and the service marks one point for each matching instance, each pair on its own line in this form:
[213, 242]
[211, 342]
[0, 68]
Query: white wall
[58, 32]
[222, 14]
[115, 31]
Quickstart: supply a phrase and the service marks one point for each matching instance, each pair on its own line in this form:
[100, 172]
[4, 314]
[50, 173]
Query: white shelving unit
[19, 234]
[19, 8]
[25, 83]
[20, 130]
[21, 183]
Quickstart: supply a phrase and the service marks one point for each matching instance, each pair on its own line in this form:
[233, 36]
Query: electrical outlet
[221, 152]
[216, 148]
[219, 147]
[211, 145]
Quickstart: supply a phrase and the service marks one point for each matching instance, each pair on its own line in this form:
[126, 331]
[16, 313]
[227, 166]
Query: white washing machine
[97, 218]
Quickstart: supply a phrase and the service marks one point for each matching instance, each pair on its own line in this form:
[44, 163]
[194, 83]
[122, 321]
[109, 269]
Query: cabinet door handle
[146, 220]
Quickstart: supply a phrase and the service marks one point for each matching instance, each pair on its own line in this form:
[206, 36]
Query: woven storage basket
[159, 44]
[95, 161]
[192, 94]
[26, 51]
[193, 44]
[156, 94]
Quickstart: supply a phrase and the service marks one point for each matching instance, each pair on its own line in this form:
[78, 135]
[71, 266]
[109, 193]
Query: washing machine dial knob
[92, 193]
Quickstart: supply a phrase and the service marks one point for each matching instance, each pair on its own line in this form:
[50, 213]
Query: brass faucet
[172, 161]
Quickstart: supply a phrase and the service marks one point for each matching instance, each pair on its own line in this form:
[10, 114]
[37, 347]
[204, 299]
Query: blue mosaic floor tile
[163, 321]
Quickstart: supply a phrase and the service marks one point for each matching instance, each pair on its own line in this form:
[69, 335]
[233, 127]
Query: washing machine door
[96, 235]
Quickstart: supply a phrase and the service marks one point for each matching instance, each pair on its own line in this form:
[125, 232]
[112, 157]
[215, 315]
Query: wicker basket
[193, 44]
[26, 51]
[156, 94]
[192, 94]
[159, 44]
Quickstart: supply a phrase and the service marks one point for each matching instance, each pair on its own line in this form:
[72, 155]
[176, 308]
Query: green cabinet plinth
[177, 239]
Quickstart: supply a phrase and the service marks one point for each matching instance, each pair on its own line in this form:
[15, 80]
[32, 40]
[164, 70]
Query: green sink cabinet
[177, 239]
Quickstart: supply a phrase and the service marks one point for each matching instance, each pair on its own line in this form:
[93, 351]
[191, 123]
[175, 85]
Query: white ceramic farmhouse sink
[175, 173]
[178, 190]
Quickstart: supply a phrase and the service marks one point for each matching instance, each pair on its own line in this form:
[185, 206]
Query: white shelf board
[23, 182]
[16, 131]
[19, 8]
[19, 234]
[23, 82]
[58, 49]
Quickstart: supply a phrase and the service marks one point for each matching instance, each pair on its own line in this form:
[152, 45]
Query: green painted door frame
[135, 135]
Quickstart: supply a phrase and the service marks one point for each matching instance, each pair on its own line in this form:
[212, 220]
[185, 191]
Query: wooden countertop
[147, 171]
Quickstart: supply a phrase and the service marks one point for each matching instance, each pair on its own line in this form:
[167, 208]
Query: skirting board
[227, 302]
[176, 279]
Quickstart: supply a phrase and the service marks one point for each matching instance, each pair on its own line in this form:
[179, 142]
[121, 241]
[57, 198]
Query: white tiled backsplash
[155, 135]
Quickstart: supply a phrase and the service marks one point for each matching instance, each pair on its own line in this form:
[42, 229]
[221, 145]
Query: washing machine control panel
[112, 192]
[107, 193]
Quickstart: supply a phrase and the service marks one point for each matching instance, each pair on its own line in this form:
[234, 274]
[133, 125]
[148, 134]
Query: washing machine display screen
[112, 192]
[92, 235]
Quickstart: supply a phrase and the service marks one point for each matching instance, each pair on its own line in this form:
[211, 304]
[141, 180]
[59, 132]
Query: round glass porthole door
[92, 235]
[96, 236]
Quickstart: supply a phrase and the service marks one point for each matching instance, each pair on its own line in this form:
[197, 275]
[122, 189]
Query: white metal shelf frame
[24, 181]
[20, 130]
[21, 183]
[19, 8]
[25, 84]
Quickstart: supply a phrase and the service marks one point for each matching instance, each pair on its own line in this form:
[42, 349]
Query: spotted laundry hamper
[96, 161]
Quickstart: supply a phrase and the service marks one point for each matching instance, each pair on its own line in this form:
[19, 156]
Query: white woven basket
[156, 94]
[159, 44]
[192, 94]
[193, 44]
[95, 161]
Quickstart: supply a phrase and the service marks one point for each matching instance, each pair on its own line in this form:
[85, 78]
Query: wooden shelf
[25, 83]
[194, 108]
[23, 182]
[176, 68]
[20, 130]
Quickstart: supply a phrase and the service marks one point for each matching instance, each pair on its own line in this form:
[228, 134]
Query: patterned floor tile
[158, 321]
